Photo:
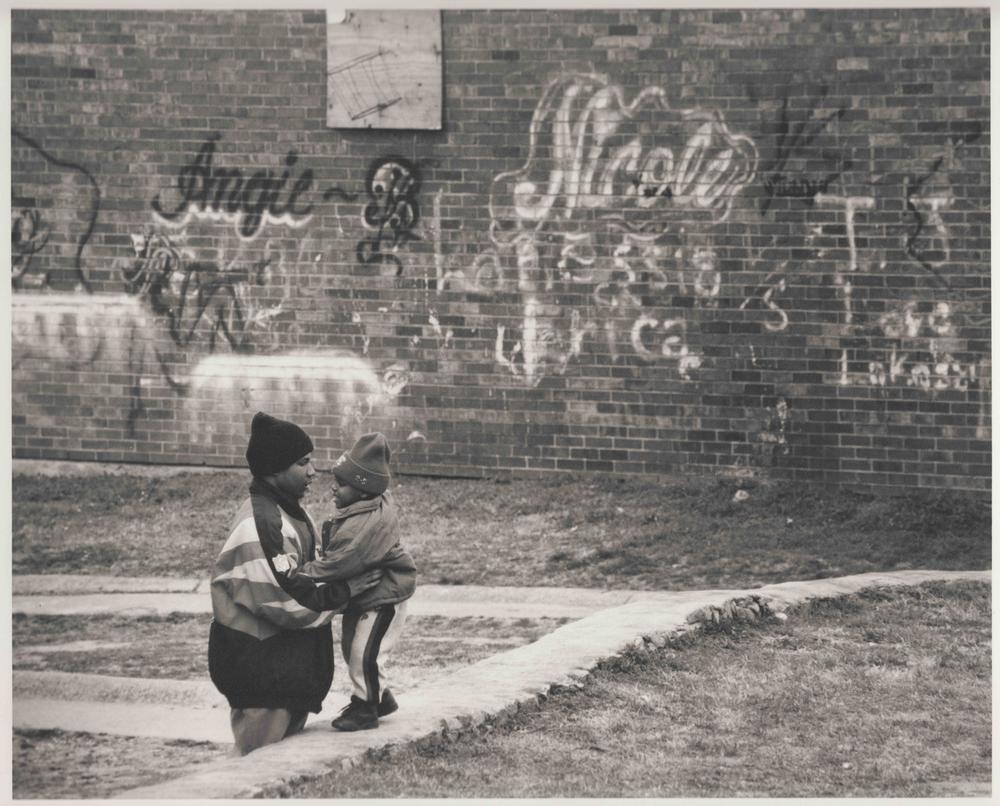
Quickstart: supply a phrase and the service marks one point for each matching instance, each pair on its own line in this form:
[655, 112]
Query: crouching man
[270, 647]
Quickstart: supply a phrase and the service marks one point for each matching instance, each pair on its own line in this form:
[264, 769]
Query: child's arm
[310, 593]
[346, 557]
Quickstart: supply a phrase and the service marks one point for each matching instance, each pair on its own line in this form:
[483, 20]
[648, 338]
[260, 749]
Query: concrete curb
[80, 584]
[499, 686]
[46, 467]
[67, 594]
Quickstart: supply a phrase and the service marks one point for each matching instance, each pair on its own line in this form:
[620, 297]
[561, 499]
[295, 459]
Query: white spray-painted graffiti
[851, 205]
[928, 362]
[86, 332]
[334, 385]
[600, 163]
[615, 203]
[75, 330]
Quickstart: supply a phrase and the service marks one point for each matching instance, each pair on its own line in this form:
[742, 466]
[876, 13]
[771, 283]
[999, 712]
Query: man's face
[294, 481]
[344, 494]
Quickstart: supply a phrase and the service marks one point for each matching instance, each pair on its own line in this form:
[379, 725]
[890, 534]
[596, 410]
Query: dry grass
[176, 647]
[50, 764]
[681, 534]
[881, 694]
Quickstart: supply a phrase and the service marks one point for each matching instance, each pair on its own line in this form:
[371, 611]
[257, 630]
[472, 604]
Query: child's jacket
[360, 537]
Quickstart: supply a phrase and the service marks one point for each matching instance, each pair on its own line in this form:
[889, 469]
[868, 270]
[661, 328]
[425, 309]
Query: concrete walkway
[174, 709]
[170, 709]
[607, 623]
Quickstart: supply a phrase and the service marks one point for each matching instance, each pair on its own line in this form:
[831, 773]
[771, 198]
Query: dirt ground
[62, 764]
[50, 764]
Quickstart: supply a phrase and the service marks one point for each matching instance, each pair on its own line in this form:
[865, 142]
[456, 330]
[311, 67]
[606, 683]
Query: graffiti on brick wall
[205, 190]
[916, 343]
[199, 298]
[927, 197]
[603, 160]
[765, 295]
[28, 236]
[224, 390]
[780, 273]
[771, 441]
[61, 223]
[920, 341]
[447, 273]
[71, 329]
[790, 172]
[842, 280]
[392, 211]
[615, 200]
[76, 331]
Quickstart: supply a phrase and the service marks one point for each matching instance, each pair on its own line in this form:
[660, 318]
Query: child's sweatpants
[367, 639]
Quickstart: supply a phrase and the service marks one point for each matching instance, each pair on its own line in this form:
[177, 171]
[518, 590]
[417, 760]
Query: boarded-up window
[384, 70]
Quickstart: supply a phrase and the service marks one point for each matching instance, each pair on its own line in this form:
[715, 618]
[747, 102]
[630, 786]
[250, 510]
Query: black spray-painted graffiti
[926, 197]
[392, 211]
[793, 141]
[29, 235]
[186, 293]
[209, 190]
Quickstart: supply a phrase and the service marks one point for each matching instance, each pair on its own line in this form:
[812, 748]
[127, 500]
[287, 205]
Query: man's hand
[362, 582]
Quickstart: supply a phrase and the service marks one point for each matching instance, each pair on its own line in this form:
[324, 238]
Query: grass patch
[52, 764]
[880, 694]
[553, 531]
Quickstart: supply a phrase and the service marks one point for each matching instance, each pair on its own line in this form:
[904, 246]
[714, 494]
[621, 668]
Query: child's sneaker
[388, 704]
[357, 715]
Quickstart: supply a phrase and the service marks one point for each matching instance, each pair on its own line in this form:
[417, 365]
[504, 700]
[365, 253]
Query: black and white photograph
[497, 400]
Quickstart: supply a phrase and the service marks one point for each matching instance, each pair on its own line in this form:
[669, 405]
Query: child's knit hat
[275, 444]
[366, 465]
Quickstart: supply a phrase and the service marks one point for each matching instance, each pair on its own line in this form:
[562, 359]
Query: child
[361, 535]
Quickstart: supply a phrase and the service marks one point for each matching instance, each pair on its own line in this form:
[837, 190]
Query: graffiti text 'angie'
[224, 192]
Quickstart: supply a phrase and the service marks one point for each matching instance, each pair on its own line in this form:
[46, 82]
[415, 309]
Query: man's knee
[256, 727]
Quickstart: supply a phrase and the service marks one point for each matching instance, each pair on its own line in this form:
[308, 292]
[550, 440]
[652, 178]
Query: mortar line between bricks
[563, 657]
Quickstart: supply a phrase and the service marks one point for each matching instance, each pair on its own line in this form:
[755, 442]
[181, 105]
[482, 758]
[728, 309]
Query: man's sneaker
[388, 704]
[357, 715]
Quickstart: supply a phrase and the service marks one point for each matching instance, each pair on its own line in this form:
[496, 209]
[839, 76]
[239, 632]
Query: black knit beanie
[275, 445]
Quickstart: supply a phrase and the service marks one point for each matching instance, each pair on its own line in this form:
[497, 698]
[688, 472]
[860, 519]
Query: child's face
[344, 494]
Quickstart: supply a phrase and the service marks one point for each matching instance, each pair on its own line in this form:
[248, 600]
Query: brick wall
[644, 242]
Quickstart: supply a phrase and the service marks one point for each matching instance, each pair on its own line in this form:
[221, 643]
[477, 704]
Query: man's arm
[247, 575]
[318, 595]
[261, 535]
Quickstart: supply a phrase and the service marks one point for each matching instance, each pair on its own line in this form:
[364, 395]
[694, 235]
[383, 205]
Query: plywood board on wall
[384, 70]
